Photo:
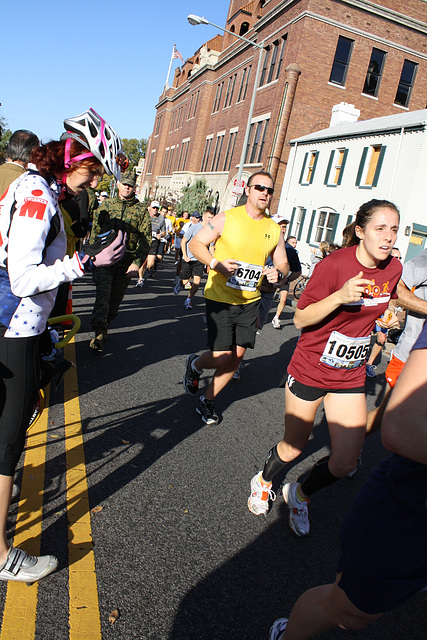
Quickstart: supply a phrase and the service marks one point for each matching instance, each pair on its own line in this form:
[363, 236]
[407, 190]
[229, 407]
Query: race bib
[246, 277]
[343, 352]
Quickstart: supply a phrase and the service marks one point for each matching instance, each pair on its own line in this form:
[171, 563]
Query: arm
[184, 249]
[144, 240]
[404, 428]
[408, 300]
[280, 258]
[199, 246]
[318, 311]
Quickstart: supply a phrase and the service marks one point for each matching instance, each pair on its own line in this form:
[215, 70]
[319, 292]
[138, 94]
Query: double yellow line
[20, 609]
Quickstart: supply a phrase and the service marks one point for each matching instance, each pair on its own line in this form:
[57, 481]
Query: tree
[106, 183]
[195, 198]
[4, 138]
[134, 149]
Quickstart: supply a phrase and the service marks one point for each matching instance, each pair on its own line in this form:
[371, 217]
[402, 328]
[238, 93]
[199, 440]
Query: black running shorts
[231, 324]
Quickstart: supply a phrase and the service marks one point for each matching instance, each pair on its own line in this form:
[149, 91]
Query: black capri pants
[19, 385]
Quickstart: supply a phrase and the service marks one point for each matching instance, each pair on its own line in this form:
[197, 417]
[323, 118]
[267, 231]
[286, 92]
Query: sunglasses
[122, 161]
[262, 188]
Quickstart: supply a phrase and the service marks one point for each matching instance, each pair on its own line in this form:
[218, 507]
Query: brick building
[318, 53]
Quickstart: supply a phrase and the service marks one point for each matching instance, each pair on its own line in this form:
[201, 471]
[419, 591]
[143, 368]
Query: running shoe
[276, 322]
[298, 509]
[21, 567]
[177, 288]
[236, 374]
[261, 493]
[277, 628]
[370, 370]
[140, 282]
[207, 411]
[354, 472]
[191, 377]
[97, 343]
[188, 285]
[187, 304]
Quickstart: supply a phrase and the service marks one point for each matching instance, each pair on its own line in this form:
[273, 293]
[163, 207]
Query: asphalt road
[176, 549]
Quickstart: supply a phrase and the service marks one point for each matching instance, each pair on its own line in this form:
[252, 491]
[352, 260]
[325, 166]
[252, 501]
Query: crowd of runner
[353, 293]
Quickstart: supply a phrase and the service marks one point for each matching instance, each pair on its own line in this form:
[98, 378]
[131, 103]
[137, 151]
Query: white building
[332, 172]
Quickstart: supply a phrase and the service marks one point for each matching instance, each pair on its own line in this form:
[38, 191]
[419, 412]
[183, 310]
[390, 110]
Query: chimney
[344, 112]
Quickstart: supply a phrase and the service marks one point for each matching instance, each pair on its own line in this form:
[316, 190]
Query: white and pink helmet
[99, 138]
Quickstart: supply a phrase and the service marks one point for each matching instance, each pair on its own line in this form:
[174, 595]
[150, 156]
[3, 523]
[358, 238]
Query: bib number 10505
[345, 352]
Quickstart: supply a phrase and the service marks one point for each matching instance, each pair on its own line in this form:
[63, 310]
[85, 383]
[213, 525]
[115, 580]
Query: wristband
[212, 262]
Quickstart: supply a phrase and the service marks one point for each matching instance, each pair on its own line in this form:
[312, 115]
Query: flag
[176, 54]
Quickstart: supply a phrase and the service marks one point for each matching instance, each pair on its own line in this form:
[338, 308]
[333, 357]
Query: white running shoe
[277, 628]
[298, 509]
[22, 567]
[261, 493]
[276, 322]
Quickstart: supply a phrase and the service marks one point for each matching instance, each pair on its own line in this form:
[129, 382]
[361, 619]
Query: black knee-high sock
[319, 477]
[272, 465]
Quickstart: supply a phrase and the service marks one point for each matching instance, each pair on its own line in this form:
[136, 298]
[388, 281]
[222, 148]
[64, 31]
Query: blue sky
[60, 58]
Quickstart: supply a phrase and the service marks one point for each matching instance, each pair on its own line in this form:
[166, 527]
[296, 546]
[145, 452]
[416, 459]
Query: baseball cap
[196, 214]
[155, 203]
[104, 193]
[128, 178]
[279, 219]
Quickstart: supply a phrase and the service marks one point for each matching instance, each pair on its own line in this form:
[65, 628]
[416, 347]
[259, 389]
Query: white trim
[265, 116]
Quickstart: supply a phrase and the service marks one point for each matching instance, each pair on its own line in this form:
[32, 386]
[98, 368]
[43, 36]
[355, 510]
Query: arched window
[244, 28]
[232, 28]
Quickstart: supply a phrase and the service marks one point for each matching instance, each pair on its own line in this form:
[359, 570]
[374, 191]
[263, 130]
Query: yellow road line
[84, 607]
[20, 609]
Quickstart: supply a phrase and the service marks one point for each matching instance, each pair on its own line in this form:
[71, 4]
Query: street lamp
[195, 20]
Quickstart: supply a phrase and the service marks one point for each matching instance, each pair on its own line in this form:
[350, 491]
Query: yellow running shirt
[249, 242]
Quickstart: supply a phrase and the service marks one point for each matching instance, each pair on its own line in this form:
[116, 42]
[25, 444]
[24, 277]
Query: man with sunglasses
[244, 239]
[123, 212]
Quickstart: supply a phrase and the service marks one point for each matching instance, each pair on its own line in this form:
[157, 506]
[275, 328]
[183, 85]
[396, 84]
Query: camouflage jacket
[132, 218]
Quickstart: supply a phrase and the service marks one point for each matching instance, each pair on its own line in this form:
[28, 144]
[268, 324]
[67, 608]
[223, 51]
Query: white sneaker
[261, 493]
[298, 509]
[276, 322]
[21, 567]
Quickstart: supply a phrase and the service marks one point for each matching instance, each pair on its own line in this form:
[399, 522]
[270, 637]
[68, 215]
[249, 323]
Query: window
[336, 164]
[230, 149]
[173, 120]
[165, 161]
[156, 132]
[195, 104]
[190, 107]
[218, 97]
[326, 226]
[370, 166]
[183, 154]
[244, 28]
[282, 53]
[230, 91]
[256, 141]
[217, 151]
[206, 153]
[406, 82]
[170, 161]
[178, 120]
[150, 163]
[264, 67]
[244, 84]
[341, 61]
[273, 61]
[374, 73]
[308, 167]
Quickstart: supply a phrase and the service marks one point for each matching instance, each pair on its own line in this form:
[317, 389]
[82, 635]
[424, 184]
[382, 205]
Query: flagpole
[170, 67]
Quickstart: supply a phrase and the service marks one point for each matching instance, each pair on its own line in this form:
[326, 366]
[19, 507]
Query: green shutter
[303, 167]
[349, 220]
[292, 218]
[334, 228]
[361, 166]
[379, 165]
[304, 211]
[316, 157]
[344, 160]
[328, 170]
[310, 228]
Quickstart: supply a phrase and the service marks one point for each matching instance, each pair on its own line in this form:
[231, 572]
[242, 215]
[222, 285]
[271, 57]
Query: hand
[133, 271]
[353, 289]
[271, 274]
[227, 267]
[185, 258]
[390, 320]
[113, 253]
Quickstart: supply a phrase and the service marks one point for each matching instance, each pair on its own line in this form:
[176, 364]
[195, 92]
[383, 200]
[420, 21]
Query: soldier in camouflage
[124, 212]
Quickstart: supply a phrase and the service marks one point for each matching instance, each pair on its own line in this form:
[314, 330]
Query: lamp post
[194, 20]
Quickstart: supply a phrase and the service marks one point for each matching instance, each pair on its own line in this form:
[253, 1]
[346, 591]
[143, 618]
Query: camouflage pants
[111, 284]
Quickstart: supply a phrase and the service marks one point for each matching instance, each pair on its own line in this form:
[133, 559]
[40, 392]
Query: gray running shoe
[21, 567]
